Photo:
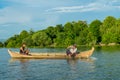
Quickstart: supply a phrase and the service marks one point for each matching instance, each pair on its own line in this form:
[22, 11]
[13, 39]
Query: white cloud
[82, 8]
[99, 5]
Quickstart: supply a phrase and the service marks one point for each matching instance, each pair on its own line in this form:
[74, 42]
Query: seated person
[71, 50]
[23, 49]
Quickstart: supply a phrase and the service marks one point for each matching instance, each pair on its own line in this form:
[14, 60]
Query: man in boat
[71, 50]
[23, 49]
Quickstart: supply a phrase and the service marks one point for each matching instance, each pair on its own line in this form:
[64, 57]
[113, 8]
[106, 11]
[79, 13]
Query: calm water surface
[103, 65]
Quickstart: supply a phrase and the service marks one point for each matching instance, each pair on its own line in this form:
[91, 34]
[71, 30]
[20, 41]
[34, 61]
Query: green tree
[11, 44]
[82, 38]
[24, 34]
[70, 39]
[90, 39]
[28, 41]
[41, 39]
[107, 23]
[1, 44]
[12, 41]
[68, 27]
[116, 31]
[31, 31]
[94, 28]
[72, 32]
[50, 31]
[60, 39]
[79, 26]
[58, 28]
[105, 29]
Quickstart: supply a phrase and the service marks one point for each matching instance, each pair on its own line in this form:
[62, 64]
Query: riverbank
[79, 46]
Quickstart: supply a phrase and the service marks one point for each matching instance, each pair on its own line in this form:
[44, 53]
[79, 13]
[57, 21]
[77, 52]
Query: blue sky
[18, 15]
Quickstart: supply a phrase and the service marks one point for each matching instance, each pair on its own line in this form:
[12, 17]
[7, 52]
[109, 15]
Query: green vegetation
[79, 32]
[1, 44]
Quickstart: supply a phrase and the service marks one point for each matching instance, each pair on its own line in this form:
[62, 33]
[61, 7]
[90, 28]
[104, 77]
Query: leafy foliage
[94, 28]
[72, 32]
[1, 44]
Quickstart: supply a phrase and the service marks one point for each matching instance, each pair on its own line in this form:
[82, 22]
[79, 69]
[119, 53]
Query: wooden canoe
[85, 54]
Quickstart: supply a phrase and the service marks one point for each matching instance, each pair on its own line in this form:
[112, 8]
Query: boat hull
[85, 54]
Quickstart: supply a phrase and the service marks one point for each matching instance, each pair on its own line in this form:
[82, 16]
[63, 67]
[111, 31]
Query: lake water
[103, 65]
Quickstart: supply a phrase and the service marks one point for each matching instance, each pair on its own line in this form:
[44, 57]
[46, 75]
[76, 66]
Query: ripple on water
[103, 65]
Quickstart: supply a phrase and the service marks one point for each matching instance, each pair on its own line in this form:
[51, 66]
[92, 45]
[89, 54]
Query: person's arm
[21, 49]
[73, 50]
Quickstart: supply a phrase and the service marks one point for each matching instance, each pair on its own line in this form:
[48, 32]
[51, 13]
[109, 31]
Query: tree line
[75, 32]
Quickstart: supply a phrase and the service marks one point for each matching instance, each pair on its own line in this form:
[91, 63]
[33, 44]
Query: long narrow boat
[85, 54]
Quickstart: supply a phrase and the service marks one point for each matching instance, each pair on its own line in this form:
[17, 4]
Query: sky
[18, 15]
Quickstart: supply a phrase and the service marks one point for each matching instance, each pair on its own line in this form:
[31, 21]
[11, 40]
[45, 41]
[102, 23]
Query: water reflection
[22, 64]
[82, 63]
[72, 61]
[75, 61]
[89, 60]
[80, 68]
[20, 60]
[20, 68]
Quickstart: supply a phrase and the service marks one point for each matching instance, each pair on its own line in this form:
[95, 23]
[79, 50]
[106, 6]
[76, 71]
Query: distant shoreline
[99, 45]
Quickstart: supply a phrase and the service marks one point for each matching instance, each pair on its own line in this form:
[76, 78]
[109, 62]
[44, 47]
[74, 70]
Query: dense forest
[78, 32]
